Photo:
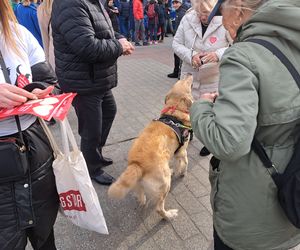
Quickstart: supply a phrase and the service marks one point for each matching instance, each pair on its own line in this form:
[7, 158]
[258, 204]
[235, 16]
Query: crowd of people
[238, 96]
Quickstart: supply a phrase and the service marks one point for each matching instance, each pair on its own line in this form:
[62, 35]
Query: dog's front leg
[181, 160]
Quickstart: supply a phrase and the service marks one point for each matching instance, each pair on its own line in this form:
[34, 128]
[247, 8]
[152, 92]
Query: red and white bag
[78, 198]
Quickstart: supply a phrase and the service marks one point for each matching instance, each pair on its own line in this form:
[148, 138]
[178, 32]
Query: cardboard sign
[50, 107]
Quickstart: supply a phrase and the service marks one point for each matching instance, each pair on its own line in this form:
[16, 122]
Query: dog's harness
[181, 131]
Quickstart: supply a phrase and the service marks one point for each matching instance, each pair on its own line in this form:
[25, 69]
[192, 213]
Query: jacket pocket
[214, 173]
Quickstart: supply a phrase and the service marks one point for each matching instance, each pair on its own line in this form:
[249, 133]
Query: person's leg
[11, 236]
[219, 244]
[45, 201]
[142, 27]
[155, 32]
[175, 72]
[90, 128]
[109, 110]
[126, 28]
[89, 113]
[122, 26]
[151, 30]
[162, 27]
[137, 30]
[176, 64]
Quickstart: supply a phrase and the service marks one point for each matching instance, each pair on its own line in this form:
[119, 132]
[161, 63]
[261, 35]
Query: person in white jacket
[200, 45]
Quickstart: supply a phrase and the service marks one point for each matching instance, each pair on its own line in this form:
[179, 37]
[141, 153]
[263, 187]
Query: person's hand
[42, 93]
[196, 60]
[209, 57]
[12, 96]
[127, 46]
[211, 97]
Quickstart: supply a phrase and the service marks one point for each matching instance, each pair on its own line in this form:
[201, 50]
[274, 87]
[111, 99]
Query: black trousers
[95, 115]
[176, 64]
[219, 244]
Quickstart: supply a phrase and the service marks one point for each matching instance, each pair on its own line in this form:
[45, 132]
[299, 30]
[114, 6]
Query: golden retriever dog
[148, 172]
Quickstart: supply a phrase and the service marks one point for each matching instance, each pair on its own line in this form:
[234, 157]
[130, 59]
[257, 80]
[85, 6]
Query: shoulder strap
[256, 145]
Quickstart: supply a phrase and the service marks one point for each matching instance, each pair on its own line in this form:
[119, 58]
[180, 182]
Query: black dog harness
[181, 131]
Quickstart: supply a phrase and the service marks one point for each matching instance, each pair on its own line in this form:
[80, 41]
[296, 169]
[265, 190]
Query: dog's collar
[173, 109]
[182, 132]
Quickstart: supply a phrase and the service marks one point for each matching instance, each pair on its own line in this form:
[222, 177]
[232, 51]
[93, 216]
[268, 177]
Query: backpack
[288, 182]
[151, 11]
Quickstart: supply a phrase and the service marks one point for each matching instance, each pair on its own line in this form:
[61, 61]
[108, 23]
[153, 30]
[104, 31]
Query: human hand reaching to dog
[211, 97]
[126, 46]
[196, 60]
[209, 57]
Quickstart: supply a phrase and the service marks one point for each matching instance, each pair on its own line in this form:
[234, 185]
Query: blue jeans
[124, 26]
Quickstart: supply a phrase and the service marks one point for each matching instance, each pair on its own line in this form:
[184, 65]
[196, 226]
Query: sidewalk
[143, 84]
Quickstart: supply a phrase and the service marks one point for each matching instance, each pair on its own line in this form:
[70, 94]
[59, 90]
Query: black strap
[256, 145]
[7, 79]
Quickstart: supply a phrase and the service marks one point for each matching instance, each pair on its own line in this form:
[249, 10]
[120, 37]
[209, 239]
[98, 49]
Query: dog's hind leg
[140, 194]
[181, 161]
[160, 206]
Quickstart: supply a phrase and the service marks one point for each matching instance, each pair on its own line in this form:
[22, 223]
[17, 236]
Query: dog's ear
[187, 100]
[168, 96]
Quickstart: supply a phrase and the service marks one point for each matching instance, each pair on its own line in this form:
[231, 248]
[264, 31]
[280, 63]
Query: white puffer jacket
[188, 41]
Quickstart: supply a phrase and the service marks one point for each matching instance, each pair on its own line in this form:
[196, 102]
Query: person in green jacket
[257, 97]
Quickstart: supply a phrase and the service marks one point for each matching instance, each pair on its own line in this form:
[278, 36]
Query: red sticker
[212, 39]
[72, 200]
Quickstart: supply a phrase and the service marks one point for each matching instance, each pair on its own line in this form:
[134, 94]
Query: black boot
[103, 178]
[104, 161]
[173, 75]
[204, 152]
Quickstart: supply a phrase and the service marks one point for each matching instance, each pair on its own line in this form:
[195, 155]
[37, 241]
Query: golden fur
[148, 172]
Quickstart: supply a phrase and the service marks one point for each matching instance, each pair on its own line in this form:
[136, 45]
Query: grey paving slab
[140, 96]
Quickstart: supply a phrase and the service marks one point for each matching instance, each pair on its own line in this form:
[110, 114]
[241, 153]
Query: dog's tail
[125, 182]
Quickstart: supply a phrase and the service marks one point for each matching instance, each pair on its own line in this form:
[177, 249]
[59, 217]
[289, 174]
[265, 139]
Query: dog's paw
[142, 200]
[172, 213]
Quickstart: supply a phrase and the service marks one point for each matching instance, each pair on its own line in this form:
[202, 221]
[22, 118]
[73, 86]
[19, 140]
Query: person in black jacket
[86, 51]
[180, 12]
[113, 13]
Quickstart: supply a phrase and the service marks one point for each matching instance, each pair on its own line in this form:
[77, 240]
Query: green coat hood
[275, 18]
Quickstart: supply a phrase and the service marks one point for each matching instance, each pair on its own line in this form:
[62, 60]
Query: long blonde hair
[7, 22]
[197, 3]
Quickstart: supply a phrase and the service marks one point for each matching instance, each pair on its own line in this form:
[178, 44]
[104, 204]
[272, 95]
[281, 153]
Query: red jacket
[138, 9]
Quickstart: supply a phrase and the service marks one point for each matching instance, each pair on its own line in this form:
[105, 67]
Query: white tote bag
[78, 198]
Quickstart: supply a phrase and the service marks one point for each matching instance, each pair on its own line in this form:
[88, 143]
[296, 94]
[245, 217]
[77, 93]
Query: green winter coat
[257, 97]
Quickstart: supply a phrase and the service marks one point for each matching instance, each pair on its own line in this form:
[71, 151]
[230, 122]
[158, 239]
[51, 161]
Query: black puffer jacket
[86, 47]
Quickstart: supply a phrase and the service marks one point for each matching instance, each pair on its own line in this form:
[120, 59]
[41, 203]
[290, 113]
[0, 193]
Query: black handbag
[288, 182]
[14, 163]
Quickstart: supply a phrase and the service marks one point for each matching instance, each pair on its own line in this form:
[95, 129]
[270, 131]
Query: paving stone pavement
[140, 96]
